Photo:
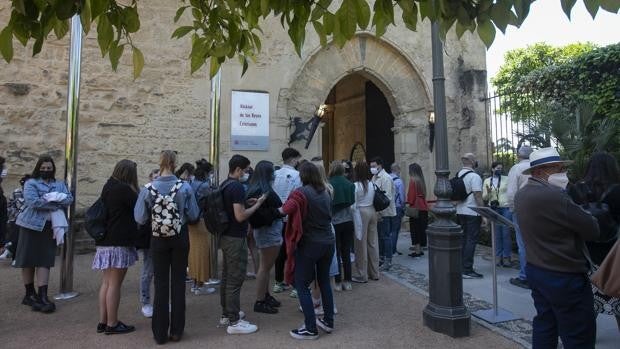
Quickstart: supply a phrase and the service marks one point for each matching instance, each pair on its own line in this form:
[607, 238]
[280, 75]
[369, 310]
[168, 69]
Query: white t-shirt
[286, 180]
[473, 183]
[364, 199]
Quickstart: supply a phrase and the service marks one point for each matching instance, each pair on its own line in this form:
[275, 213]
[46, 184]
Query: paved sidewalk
[478, 294]
[383, 314]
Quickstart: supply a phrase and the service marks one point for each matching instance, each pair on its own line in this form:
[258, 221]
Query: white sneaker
[212, 282]
[203, 290]
[241, 327]
[147, 310]
[6, 255]
[224, 321]
[347, 286]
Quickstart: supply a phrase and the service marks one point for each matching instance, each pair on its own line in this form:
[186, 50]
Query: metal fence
[513, 120]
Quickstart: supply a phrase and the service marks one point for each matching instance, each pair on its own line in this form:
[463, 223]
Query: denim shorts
[269, 236]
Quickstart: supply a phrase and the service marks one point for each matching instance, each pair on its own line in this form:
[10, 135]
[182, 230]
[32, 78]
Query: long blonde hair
[319, 164]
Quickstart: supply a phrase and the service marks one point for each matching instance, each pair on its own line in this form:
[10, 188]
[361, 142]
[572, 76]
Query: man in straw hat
[554, 229]
[516, 181]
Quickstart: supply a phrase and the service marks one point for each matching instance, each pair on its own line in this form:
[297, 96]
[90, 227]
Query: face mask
[4, 173]
[46, 174]
[244, 178]
[497, 172]
[374, 170]
[559, 180]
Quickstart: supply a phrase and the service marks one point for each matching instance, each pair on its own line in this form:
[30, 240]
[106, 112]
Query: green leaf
[19, 6]
[215, 66]
[500, 16]
[105, 34]
[592, 7]
[245, 66]
[196, 63]
[98, 7]
[264, 8]
[179, 13]
[6, 43]
[85, 16]
[38, 45]
[130, 19]
[410, 13]
[318, 27]
[182, 31]
[346, 15]
[522, 9]
[567, 6]
[328, 23]
[138, 62]
[21, 29]
[612, 6]
[61, 28]
[116, 51]
[460, 29]
[362, 10]
[486, 31]
[65, 9]
[257, 42]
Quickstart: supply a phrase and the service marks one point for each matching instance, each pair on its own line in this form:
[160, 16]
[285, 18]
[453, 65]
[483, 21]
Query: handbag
[412, 212]
[607, 277]
[95, 220]
[380, 201]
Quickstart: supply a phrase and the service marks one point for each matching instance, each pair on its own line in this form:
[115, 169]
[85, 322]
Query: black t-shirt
[234, 193]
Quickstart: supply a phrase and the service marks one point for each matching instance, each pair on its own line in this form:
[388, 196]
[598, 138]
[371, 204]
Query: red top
[295, 207]
[415, 196]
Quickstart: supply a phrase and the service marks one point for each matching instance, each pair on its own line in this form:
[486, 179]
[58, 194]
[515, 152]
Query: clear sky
[548, 23]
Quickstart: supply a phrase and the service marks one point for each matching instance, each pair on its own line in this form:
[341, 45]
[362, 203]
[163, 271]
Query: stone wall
[167, 108]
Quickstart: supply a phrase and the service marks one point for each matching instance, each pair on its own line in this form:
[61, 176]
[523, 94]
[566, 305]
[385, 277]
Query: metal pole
[214, 158]
[494, 260]
[445, 311]
[71, 154]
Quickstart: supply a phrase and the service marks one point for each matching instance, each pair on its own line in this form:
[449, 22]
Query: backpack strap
[465, 174]
[175, 188]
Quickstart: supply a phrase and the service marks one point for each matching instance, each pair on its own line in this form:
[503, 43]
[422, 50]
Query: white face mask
[374, 170]
[4, 173]
[244, 178]
[559, 180]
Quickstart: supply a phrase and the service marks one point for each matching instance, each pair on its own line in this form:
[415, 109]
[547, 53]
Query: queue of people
[306, 224]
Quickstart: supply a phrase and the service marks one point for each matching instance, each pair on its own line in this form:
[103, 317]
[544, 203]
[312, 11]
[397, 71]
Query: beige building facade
[379, 91]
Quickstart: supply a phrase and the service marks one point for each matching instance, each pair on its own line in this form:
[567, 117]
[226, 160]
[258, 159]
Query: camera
[494, 204]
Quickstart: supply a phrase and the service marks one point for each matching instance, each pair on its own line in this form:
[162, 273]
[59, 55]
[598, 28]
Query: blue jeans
[384, 229]
[521, 247]
[503, 242]
[313, 260]
[395, 225]
[146, 276]
[471, 231]
[564, 306]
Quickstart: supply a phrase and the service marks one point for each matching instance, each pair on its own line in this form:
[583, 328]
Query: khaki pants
[367, 249]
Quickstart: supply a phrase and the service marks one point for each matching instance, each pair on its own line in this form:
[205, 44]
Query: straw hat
[543, 157]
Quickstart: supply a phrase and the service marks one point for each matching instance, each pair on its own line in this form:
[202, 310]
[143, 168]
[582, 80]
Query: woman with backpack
[601, 184]
[417, 210]
[36, 249]
[366, 244]
[266, 224]
[116, 251]
[171, 204]
[199, 261]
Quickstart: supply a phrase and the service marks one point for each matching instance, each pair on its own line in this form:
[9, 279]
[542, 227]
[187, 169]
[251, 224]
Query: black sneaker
[303, 333]
[520, 283]
[264, 307]
[101, 327]
[322, 324]
[472, 275]
[120, 328]
[274, 303]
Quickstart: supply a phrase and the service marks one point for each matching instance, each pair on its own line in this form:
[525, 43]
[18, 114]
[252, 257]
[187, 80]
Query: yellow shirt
[495, 193]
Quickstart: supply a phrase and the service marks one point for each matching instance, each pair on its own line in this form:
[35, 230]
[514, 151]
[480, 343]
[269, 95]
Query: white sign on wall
[249, 118]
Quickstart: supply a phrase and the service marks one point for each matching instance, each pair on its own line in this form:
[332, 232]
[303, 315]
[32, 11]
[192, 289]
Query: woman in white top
[367, 245]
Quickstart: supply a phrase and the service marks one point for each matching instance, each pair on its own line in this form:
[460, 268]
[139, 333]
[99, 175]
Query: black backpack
[609, 227]
[380, 201]
[214, 211]
[459, 191]
[95, 220]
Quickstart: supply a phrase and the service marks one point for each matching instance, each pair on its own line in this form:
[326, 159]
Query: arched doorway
[360, 117]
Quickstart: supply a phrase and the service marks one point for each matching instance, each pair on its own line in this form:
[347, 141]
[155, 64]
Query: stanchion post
[71, 154]
[214, 158]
